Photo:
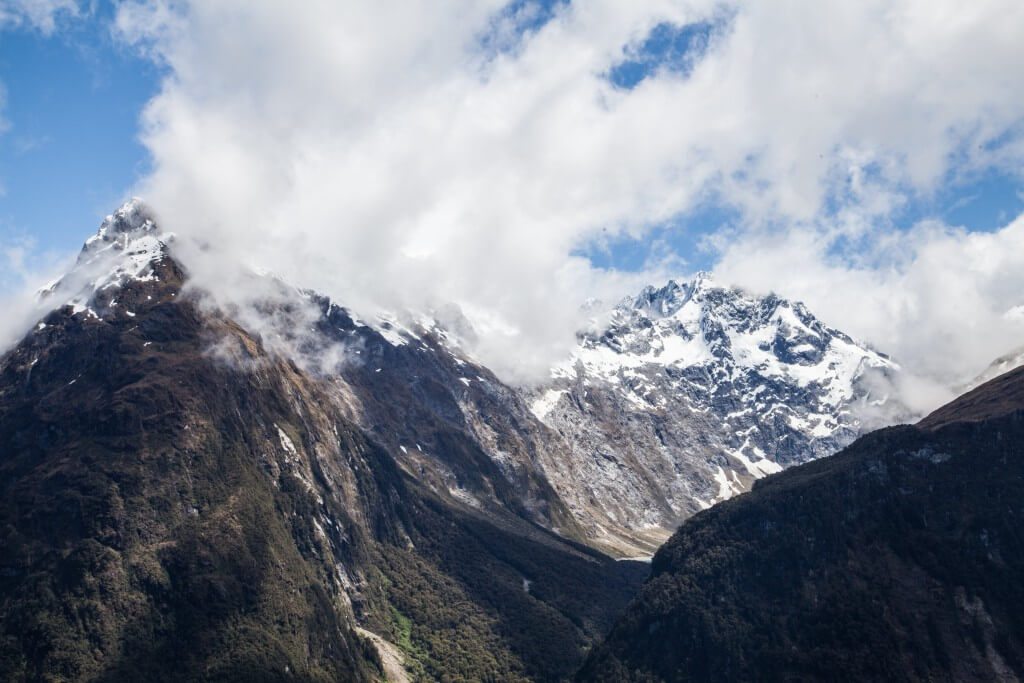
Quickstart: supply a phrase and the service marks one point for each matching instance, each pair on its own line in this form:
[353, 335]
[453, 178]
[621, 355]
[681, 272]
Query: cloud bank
[408, 154]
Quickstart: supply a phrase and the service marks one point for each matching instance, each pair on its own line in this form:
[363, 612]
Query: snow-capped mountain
[692, 392]
[403, 378]
[128, 247]
[686, 396]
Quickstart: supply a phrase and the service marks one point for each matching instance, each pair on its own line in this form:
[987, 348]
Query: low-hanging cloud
[410, 154]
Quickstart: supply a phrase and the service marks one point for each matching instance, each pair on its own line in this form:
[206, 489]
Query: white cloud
[380, 152]
[41, 15]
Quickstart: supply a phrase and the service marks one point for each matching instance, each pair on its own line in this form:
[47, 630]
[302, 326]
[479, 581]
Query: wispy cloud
[41, 15]
[23, 144]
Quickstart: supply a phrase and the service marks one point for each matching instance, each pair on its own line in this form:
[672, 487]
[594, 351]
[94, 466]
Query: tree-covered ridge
[900, 559]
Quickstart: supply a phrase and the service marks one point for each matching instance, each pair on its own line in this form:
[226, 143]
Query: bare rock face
[693, 391]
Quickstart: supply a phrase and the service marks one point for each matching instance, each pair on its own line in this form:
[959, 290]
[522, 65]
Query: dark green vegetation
[900, 559]
[461, 607]
[178, 504]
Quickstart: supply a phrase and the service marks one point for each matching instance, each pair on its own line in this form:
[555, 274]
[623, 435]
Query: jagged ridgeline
[691, 392]
[179, 501]
[900, 559]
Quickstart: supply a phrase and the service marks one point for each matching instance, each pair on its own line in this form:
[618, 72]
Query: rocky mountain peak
[665, 301]
[1005, 363]
[131, 221]
[694, 390]
[658, 302]
[128, 247]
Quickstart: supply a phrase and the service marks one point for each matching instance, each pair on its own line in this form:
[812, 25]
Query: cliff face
[901, 558]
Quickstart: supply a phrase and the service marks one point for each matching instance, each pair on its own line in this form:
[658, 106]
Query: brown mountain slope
[179, 503]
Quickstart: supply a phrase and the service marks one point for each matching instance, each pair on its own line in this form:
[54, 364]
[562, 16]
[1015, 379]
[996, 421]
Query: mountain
[899, 559]
[269, 485]
[693, 391]
[193, 489]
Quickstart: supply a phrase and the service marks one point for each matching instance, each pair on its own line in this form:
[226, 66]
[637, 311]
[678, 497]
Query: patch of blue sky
[533, 14]
[987, 202]
[978, 200]
[517, 19]
[71, 152]
[667, 47]
[982, 203]
[683, 242]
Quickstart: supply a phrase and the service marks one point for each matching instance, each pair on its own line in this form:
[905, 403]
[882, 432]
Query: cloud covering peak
[410, 154]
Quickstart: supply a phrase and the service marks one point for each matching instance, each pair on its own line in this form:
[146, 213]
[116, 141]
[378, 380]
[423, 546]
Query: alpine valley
[197, 489]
